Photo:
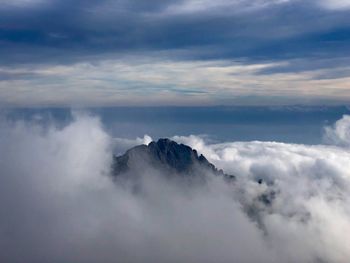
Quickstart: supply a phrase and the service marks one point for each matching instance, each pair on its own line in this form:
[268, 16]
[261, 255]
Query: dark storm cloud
[73, 31]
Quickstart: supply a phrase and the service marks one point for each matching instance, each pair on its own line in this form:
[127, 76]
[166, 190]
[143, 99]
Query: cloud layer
[287, 50]
[60, 205]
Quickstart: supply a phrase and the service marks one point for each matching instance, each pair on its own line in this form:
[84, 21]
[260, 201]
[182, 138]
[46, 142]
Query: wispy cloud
[288, 36]
[149, 81]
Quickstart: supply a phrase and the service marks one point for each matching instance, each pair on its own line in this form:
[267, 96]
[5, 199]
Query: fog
[59, 203]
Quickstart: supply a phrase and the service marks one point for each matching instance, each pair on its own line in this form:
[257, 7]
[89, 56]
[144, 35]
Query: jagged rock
[165, 155]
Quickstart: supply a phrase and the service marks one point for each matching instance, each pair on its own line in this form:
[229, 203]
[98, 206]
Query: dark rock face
[165, 155]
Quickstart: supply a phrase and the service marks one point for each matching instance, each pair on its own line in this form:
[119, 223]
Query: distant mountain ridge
[165, 155]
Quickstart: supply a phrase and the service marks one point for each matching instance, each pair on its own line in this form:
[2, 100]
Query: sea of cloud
[289, 203]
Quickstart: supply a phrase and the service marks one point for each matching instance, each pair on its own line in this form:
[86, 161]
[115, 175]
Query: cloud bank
[290, 203]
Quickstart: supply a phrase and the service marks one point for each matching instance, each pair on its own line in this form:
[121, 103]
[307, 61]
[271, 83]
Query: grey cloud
[67, 32]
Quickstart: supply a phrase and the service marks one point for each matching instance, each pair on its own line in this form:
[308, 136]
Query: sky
[174, 52]
[261, 88]
[292, 124]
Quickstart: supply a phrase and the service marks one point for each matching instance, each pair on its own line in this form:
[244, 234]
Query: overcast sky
[161, 52]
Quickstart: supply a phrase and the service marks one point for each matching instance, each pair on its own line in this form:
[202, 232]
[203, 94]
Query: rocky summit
[165, 155]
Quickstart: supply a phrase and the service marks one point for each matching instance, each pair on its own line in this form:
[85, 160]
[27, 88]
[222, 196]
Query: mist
[60, 204]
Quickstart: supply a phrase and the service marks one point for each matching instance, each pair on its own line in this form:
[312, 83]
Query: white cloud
[309, 187]
[236, 6]
[339, 134]
[22, 3]
[335, 4]
[122, 144]
[60, 205]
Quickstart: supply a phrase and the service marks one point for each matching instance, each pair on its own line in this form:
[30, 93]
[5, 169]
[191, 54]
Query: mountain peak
[165, 155]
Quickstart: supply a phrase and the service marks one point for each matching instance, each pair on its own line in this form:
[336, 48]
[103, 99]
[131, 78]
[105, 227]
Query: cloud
[335, 4]
[75, 34]
[257, 31]
[20, 3]
[236, 6]
[339, 134]
[104, 35]
[122, 144]
[303, 201]
[61, 206]
[152, 81]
